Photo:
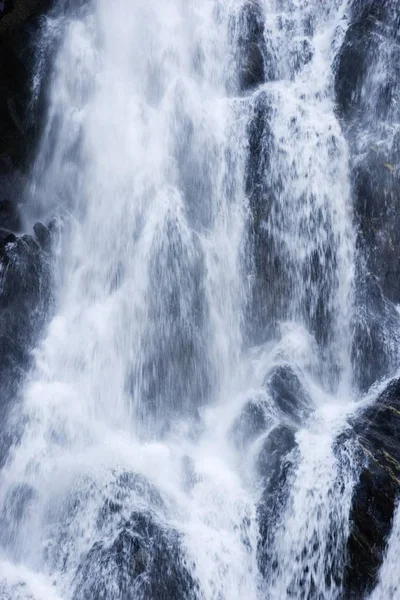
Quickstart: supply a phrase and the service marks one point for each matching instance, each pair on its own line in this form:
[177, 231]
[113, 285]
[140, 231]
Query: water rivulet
[199, 398]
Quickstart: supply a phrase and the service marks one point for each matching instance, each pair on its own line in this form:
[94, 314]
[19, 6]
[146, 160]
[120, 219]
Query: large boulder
[139, 557]
[143, 561]
[375, 495]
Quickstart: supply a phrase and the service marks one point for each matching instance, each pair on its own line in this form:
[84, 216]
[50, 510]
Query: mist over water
[142, 470]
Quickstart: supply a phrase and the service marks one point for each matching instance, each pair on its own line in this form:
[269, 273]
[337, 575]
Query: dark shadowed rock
[251, 48]
[43, 235]
[367, 19]
[375, 495]
[274, 465]
[376, 324]
[367, 90]
[270, 290]
[288, 394]
[6, 237]
[253, 62]
[20, 118]
[143, 558]
[143, 562]
[252, 422]
[25, 296]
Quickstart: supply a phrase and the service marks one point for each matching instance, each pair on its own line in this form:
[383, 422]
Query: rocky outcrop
[376, 492]
[288, 394]
[367, 88]
[25, 298]
[20, 28]
[250, 47]
[375, 350]
[276, 461]
[269, 422]
[368, 19]
[143, 559]
[275, 465]
[254, 420]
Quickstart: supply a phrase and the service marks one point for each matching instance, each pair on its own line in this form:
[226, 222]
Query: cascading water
[179, 428]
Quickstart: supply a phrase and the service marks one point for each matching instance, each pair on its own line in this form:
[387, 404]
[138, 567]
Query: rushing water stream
[205, 264]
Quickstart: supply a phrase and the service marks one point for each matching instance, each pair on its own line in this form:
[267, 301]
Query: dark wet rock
[288, 394]
[6, 237]
[366, 94]
[20, 117]
[251, 48]
[376, 492]
[142, 557]
[279, 443]
[377, 197]
[252, 422]
[376, 325]
[275, 465]
[277, 458]
[367, 89]
[9, 216]
[25, 298]
[359, 49]
[143, 561]
[270, 290]
[43, 235]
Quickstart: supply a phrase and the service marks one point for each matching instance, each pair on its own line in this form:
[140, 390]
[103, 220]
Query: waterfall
[184, 427]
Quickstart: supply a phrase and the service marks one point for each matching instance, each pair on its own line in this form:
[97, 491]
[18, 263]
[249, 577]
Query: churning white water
[132, 409]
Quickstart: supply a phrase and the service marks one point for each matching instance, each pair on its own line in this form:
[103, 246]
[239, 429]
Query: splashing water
[178, 190]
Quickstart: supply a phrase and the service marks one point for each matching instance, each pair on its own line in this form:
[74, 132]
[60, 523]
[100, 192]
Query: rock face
[367, 88]
[269, 292]
[375, 350]
[25, 298]
[376, 493]
[25, 263]
[250, 52]
[20, 27]
[275, 465]
[143, 560]
[288, 394]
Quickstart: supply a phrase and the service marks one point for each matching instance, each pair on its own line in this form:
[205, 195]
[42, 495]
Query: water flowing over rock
[366, 88]
[376, 494]
[199, 289]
